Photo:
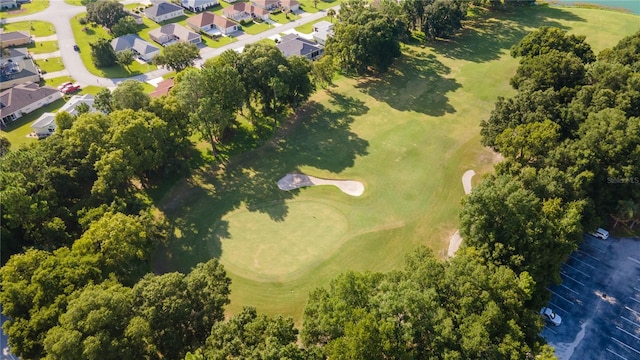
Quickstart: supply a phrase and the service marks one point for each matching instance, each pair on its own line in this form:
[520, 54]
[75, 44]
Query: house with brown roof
[14, 38]
[162, 88]
[244, 12]
[266, 4]
[23, 99]
[17, 67]
[170, 33]
[289, 5]
[212, 24]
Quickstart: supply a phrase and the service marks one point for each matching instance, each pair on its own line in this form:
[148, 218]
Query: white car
[600, 233]
[550, 316]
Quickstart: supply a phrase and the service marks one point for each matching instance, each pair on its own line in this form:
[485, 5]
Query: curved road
[59, 13]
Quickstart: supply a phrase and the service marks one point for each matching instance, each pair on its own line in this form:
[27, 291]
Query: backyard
[408, 136]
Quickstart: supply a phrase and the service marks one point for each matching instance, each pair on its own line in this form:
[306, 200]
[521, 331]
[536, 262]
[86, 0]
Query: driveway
[61, 14]
[599, 302]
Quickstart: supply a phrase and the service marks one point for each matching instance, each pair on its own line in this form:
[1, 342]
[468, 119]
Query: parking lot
[599, 302]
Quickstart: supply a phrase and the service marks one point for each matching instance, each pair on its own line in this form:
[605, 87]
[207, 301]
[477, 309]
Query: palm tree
[331, 13]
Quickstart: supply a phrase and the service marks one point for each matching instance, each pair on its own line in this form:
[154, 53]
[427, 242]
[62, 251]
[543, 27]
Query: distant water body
[630, 5]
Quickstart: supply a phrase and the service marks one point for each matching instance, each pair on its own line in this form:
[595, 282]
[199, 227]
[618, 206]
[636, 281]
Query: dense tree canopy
[178, 56]
[546, 39]
[105, 12]
[102, 54]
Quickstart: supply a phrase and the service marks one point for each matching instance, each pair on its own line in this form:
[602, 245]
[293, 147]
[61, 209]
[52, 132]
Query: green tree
[102, 54]
[104, 101]
[259, 64]
[211, 96]
[546, 38]
[129, 94]
[625, 52]
[178, 56]
[331, 13]
[529, 143]
[5, 145]
[105, 12]
[442, 18]
[125, 25]
[125, 57]
[323, 71]
[553, 69]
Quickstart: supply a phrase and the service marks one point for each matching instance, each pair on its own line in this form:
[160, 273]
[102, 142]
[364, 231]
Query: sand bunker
[456, 239]
[295, 181]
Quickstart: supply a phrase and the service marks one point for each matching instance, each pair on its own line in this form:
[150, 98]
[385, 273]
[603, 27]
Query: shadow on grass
[195, 206]
[415, 83]
[489, 34]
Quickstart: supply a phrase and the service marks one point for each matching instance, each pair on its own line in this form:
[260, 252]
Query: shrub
[83, 20]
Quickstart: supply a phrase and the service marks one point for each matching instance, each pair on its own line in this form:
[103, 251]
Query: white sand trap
[456, 240]
[295, 181]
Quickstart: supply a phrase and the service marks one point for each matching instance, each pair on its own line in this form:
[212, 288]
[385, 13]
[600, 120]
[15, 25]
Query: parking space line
[634, 260]
[625, 345]
[636, 300]
[633, 311]
[630, 321]
[550, 329]
[589, 255]
[570, 289]
[576, 259]
[594, 247]
[560, 296]
[565, 274]
[565, 264]
[616, 354]
[556, 306]
[628, 333]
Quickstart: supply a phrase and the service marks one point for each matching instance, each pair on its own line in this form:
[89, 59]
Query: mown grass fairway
[408, 136]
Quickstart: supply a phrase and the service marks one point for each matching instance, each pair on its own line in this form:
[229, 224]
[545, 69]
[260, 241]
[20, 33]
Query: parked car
[75, 47]
[70, 89]
[550, 316]
[600, 233]
[62, 86]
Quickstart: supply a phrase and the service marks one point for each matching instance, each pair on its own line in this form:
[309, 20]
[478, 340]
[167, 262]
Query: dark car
[76, 48]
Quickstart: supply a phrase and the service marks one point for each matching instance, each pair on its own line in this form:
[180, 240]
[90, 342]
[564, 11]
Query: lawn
[26, 9]
[43, 47]
[54, 82]
[284, 18]
[408, 136]
[93, 33]
[50, 65]
[253, 28]
[35, 28]
[308, 27]
[18, 130]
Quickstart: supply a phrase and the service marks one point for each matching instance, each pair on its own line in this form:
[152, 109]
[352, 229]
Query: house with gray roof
[163, 11]
[292, 44]
[322, 30]
[199, 5]
[17, 67]
[23, 99]
[170, 33]
[143, 49]
[14, 38]
[45, 125]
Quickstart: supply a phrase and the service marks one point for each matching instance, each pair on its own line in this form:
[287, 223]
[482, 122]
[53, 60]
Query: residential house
[292, 44]
[17, 67]
[162, 88]
[143, 49]
[244, 12]
[45, 125]
[268, 5]
[170, 33]
[212, 24]
[289, 5]
[322, 30]
[23, 99]
[14, 38]
[163, 11]
[199, 5]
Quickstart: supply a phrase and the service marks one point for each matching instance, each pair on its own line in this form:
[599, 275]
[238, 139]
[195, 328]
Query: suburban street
[59, 13]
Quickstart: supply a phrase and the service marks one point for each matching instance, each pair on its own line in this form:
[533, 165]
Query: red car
[62, 86]
[70, 89]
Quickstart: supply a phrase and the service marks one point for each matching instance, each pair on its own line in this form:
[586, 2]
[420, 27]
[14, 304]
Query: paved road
[60, 14]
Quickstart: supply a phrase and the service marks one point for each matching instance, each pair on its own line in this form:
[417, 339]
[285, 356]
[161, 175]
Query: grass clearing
[35, 28]
[26, 9]
[43, 47]
[408, 136]
[50, 65]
